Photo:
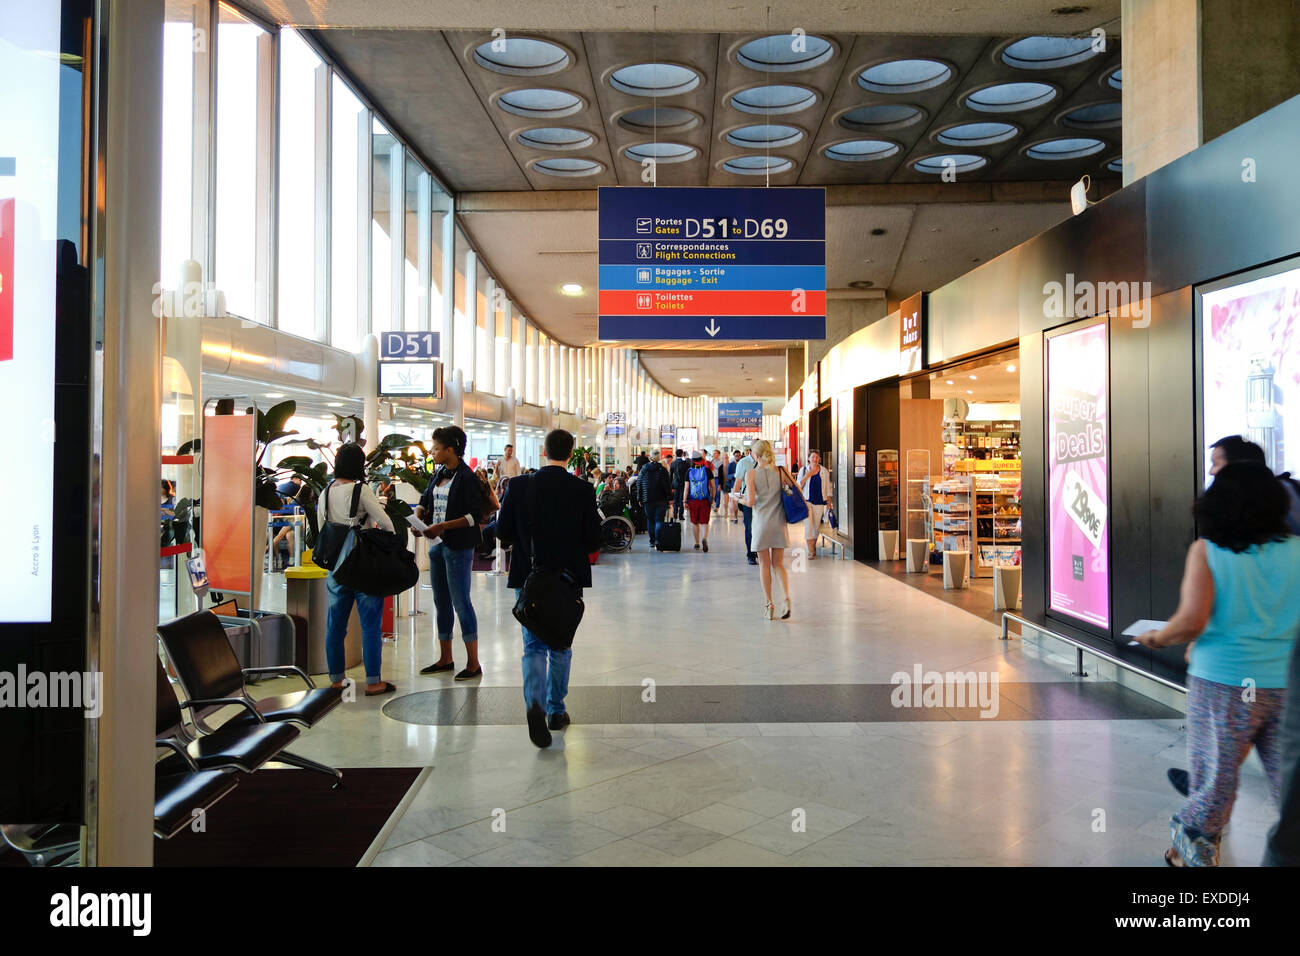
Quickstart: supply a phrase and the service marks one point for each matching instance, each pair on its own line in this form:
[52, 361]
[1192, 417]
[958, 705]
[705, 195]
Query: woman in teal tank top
[1240, 603]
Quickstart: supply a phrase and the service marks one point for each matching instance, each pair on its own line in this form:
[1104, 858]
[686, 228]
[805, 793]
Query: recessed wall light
[571, 288]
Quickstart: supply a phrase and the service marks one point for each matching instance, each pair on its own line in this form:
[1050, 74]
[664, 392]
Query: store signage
[744, 417]
[410, 379]
[1251, 366]
[912, 321]
[714, 264]
[29, 181]
[409, 345]
[1078, 526]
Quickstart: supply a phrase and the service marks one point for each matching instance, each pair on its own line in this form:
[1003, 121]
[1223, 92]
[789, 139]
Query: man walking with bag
[550, 519]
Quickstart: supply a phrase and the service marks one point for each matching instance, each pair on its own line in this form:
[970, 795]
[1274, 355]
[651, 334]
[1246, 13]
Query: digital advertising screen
[412, 379]
[1250, 364]
[740, 417]
[29, 155]
[1078, 487]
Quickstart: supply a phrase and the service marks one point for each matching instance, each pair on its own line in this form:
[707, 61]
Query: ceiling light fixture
[571, 288]
[685, 381]
[275, 394]
[333, 404]
[974, 377]
[951, 382]
[1011, 368]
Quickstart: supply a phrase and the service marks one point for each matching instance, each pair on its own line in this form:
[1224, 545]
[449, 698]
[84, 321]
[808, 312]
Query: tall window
[415, 268]
[441, 203]
[381, 228]
[243, 55]
[460, 324]
[302, 168]
[181, 41]
[349, 197]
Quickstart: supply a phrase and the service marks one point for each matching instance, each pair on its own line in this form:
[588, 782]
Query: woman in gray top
[763, 494]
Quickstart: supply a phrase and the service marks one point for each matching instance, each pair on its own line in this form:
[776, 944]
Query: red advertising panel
[228, 442]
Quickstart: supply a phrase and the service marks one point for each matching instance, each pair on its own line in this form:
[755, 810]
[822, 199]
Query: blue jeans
[449, 572]
[537, 682]
[370, 609]
[749, 526]
[654, 519]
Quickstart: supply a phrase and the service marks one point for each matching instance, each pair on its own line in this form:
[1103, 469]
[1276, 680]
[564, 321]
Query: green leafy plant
[584, 456]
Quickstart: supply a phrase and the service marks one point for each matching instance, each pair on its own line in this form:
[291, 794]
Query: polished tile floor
[1051, 785]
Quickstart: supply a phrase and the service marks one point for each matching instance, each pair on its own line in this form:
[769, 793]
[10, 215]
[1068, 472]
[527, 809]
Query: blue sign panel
[421, 345]
[740, 417]
[712, 263]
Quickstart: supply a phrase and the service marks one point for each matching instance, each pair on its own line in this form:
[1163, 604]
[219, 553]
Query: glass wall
[180, 120]
[349, 205]
[415, 268]
[301, 184]
[244, 56]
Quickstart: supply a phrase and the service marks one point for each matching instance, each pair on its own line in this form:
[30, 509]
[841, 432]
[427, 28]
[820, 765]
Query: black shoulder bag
[550, 602]
[330, 540]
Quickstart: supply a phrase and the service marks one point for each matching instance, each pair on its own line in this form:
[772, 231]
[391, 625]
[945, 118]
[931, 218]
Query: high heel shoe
[769, 612]
[786, 611]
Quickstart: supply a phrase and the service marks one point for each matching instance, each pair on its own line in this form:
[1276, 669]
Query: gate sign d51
[422, 345]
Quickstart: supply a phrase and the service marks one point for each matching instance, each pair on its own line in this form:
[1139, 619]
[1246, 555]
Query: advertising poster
[1250, 352]
[29, 140]
[1078, 527]
[740, 417]
[688, 438]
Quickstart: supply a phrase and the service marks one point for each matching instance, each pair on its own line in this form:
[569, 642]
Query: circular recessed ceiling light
[661, 152]
[785, 53]
[571, 288]
[757, 165]
[521, 56]
[555, 137]
[1010, 97]
[1094, 116]
[860, 150]
[957, 162]
[904, 76]
[765, 135]
[1065, 148]
[974, 378]
[977, 134]
[333, 404]
[1115, 79]
[274, 395]
[774, 98]
[882, 116]
[540, 102]
[1116, 165]
[861, 284]
[951, 382]
[662, 119]
[878, 231]
[654, 79]
[1011, 368]
[771, 379]
[685, 381]
[1048, 53]
[563, 166]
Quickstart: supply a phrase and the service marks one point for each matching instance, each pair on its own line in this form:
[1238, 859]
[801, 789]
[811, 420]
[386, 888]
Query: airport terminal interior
[888, 348]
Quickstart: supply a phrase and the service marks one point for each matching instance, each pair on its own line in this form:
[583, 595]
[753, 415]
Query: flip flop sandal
[389, 688]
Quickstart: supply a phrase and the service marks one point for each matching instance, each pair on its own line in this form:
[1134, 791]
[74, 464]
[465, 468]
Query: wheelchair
[616, 533]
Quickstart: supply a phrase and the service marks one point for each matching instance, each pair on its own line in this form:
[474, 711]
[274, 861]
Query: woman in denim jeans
[349, 472]
[452, 506]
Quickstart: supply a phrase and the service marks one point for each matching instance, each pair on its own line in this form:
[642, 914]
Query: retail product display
[997, 521]
[950, 502]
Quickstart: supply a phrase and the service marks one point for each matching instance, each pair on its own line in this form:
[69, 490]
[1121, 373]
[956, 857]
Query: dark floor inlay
[787, 703]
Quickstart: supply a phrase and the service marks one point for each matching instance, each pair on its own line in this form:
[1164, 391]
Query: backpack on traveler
[699, 483]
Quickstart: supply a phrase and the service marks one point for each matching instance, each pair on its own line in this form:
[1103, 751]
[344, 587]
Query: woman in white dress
[763, 494]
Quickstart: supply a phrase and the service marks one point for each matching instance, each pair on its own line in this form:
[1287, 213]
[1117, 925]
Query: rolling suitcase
[670, 536]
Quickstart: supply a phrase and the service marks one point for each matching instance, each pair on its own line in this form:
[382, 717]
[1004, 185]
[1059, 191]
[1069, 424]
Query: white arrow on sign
[712, 328]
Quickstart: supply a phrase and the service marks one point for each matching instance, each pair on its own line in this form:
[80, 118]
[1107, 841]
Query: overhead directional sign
[412, 345]
[712, 263]
[742, 417]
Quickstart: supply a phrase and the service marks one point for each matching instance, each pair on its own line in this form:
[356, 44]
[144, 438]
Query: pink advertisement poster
[1250, 349]
[1078, 529]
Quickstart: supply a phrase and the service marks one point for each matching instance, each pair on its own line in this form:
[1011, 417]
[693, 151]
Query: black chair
[211, 679]
[177, 795]
[44, 844]
[243, 748]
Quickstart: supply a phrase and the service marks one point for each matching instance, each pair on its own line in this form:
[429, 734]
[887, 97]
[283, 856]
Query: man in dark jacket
[654, 490]
[678, 470]
[551, 516]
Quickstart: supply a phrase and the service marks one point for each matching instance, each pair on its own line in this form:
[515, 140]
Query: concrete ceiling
[736, 375]
[448, 106]
[688, 16]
